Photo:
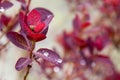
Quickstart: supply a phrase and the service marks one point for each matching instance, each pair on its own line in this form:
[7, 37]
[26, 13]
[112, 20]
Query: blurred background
[64, 12]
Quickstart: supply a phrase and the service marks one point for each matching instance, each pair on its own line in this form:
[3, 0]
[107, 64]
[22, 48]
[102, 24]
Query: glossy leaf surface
[22, 63]
[5, 5]
[18, 40]
[48, 55]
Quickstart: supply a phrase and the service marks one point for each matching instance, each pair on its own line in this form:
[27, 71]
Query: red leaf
[38, 15]
[46, 15]
[6, 5]
[45, 31]
[68, 40]
[36, 36]
[5, 20]
[76, 23]
[116, 76]
[35, 24]
[39, 27]
[80, 42]
[18, 40]
[85, 25]
[22, 63]
[48, 55]
[34, 18]
[101, 41]
[30, 34]
[104, 65]
[90, 45]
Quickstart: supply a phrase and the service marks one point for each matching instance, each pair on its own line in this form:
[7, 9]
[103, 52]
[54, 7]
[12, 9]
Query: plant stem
[33, 44]
[28, 70]
[3, 46]
[29, 67]
[28, 5]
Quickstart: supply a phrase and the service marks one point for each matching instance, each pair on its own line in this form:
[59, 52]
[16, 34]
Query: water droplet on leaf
[59, 60]
[2, 9]
[56, 69]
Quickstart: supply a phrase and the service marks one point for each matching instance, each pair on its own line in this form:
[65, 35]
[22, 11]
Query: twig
[29, 67]
[3, 46]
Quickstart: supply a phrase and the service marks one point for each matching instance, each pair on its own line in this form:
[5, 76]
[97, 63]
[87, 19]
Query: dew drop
[46, 54]
[56, 69]
[59, 60]
[48, 20]
[2, 9]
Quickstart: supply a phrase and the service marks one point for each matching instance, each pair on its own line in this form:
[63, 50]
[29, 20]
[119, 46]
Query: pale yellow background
[61, 21]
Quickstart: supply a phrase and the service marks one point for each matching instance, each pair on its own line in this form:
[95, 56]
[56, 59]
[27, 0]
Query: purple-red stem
[29, 67]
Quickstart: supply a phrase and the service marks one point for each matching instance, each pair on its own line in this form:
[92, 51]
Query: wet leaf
[34, 17]
[18, 40]
[22, 63]
[5, 20]
[27, 30]
[46, 15]
[48, 55]
[27, 40]
[45, 31]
